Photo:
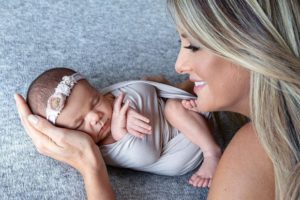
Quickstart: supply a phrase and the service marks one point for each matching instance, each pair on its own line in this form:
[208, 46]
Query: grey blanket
[166, 151]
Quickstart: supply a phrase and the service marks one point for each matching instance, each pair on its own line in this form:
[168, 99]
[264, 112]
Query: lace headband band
[56, 101]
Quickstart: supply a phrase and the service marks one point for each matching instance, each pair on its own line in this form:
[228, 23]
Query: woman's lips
[199, 85]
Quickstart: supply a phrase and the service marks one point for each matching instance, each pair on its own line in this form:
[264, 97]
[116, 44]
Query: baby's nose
[94, 117]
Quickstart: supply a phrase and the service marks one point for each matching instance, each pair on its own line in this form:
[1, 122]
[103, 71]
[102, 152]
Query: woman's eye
[192, 48]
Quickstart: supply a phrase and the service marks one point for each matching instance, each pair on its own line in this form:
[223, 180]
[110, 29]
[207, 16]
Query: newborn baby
[138, 124]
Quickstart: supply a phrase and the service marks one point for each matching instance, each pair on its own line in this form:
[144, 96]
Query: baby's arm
[127, 120]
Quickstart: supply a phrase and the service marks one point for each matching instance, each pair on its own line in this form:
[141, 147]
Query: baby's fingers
[124, 108]
[118, 102]
[140, 129]
[138, 116]
[140, 126]
[136, 133]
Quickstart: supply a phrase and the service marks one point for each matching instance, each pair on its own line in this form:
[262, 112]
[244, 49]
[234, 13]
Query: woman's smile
[199, 85]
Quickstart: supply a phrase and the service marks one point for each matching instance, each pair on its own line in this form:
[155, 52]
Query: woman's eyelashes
[192, 48]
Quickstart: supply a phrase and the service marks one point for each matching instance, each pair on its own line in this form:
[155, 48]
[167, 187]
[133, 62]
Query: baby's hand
[118, 121]
[190, 105]
[137, 124]
[127, 120]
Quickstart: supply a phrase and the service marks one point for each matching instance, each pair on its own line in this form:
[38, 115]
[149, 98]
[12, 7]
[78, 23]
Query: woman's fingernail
[33, 119]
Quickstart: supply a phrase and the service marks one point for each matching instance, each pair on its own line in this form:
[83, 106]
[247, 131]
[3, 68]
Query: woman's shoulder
[244, 170]
[246, 129]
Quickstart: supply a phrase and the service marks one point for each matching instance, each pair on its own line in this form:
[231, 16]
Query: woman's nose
[181, 65]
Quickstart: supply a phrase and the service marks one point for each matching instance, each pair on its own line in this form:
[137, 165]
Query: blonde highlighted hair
[264, 37]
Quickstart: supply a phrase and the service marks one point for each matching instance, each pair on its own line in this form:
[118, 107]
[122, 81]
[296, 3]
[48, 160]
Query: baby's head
[66, 99]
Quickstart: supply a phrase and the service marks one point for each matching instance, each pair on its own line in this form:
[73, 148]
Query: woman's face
[219, 84]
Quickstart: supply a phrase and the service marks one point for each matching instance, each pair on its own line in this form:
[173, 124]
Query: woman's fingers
[46, 128]
[61, 144]
[39, 129]
[22, 107]
[43, 143]
[69, 146]
[24, 112]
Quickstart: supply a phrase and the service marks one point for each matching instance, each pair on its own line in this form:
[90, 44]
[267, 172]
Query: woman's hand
[127, 120]
[69, 146]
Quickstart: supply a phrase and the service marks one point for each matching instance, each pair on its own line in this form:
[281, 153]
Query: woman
[243, 57]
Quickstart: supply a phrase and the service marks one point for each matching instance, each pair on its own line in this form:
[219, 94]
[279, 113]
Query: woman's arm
[97, 184]
[244, 171]
[69, 146]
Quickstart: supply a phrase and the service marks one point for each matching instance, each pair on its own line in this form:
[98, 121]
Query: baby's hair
[43, 87]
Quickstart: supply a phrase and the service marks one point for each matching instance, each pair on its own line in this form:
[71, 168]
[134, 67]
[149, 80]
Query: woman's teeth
[200, 83]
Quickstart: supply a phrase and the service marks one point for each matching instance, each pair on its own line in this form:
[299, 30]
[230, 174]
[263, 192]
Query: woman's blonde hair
[264, 37]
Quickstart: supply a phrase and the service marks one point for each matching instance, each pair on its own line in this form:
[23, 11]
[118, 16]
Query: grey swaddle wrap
[166, 151]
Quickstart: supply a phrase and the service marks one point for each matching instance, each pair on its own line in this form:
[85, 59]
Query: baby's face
[87, 110]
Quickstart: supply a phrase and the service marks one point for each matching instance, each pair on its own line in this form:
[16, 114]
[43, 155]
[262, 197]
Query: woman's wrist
[92, 162]
[95, 176]
[97, 184]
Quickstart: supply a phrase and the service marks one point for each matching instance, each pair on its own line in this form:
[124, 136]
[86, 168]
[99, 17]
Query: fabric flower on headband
[56, 101]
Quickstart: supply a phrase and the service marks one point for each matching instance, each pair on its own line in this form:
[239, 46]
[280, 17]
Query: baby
[150, 132]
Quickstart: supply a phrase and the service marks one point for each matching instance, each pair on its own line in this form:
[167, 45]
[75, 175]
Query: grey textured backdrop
[108, 41]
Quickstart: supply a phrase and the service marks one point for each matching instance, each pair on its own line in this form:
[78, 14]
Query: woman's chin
[201, 106]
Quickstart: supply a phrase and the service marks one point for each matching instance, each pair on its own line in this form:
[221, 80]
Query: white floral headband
[56, 101]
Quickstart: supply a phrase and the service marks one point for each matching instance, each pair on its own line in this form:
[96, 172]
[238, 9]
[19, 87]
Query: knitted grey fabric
[106, 40]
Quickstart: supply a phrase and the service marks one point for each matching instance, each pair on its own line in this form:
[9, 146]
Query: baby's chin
[95, 139]
[101, 136]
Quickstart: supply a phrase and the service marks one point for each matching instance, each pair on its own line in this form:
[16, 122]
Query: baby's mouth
[103, 123]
